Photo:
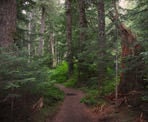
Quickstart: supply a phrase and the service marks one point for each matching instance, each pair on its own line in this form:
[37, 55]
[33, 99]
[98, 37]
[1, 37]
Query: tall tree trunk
[101, 42]
[83, 26]
[131, 62]
[52, 48]
[41, 42]
[69, 35]
[29, 36]
[7, 22]
[82, 23]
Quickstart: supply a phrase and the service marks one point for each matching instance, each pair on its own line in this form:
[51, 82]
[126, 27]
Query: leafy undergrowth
[94, 96]
[91, 98]
[72, 81]
[52, 97]
[47, 112]
[60, 73]
[23, 105]
[23, 82]
[132, 110]
[109, 113]
[105, 111]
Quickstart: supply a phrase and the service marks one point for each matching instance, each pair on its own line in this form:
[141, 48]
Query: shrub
[92, 97]
[60, 73]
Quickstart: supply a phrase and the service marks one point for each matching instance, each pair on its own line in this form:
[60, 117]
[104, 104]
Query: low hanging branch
[131, 77]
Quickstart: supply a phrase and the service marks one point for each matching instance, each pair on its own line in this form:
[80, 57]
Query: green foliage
[107, 87]
[52, 97]
[89, 100]
[60, 74]
[50, 93]
[145, 59]
[22, 77]
[93, 93]
[72, 82]
[145, 98]
[21, 74]
[92, 97]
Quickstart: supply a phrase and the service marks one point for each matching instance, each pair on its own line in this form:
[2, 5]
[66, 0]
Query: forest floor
[72, 110]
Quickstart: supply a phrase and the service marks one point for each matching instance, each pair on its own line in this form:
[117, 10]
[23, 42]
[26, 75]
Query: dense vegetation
[99, 47]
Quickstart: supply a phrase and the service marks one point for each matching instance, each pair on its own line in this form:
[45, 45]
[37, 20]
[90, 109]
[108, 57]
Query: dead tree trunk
[131, 77]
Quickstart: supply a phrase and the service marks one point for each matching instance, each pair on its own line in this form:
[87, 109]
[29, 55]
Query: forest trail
[71, 109]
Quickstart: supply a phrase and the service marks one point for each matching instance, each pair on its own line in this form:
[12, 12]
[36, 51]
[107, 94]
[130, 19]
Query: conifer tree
[69, 35]
[101, 41]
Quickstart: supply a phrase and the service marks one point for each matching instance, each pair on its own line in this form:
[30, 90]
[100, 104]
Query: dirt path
[72, 110]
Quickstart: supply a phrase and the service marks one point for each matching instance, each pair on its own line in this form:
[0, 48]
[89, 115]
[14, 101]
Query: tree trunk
[52, 48]
[131, 61]
[29, 36]
[7, 22]
[82, 23]
[101, 42]
[82, 40]
[41, 42]
[69, 35]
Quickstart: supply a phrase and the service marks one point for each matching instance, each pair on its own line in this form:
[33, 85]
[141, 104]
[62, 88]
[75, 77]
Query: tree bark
[41, 42]
[131, 62]
[7, 22]
[82, 23]
[29, 36]
[101, 42]
[82, 39]
[69, 35]
[52, 48]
